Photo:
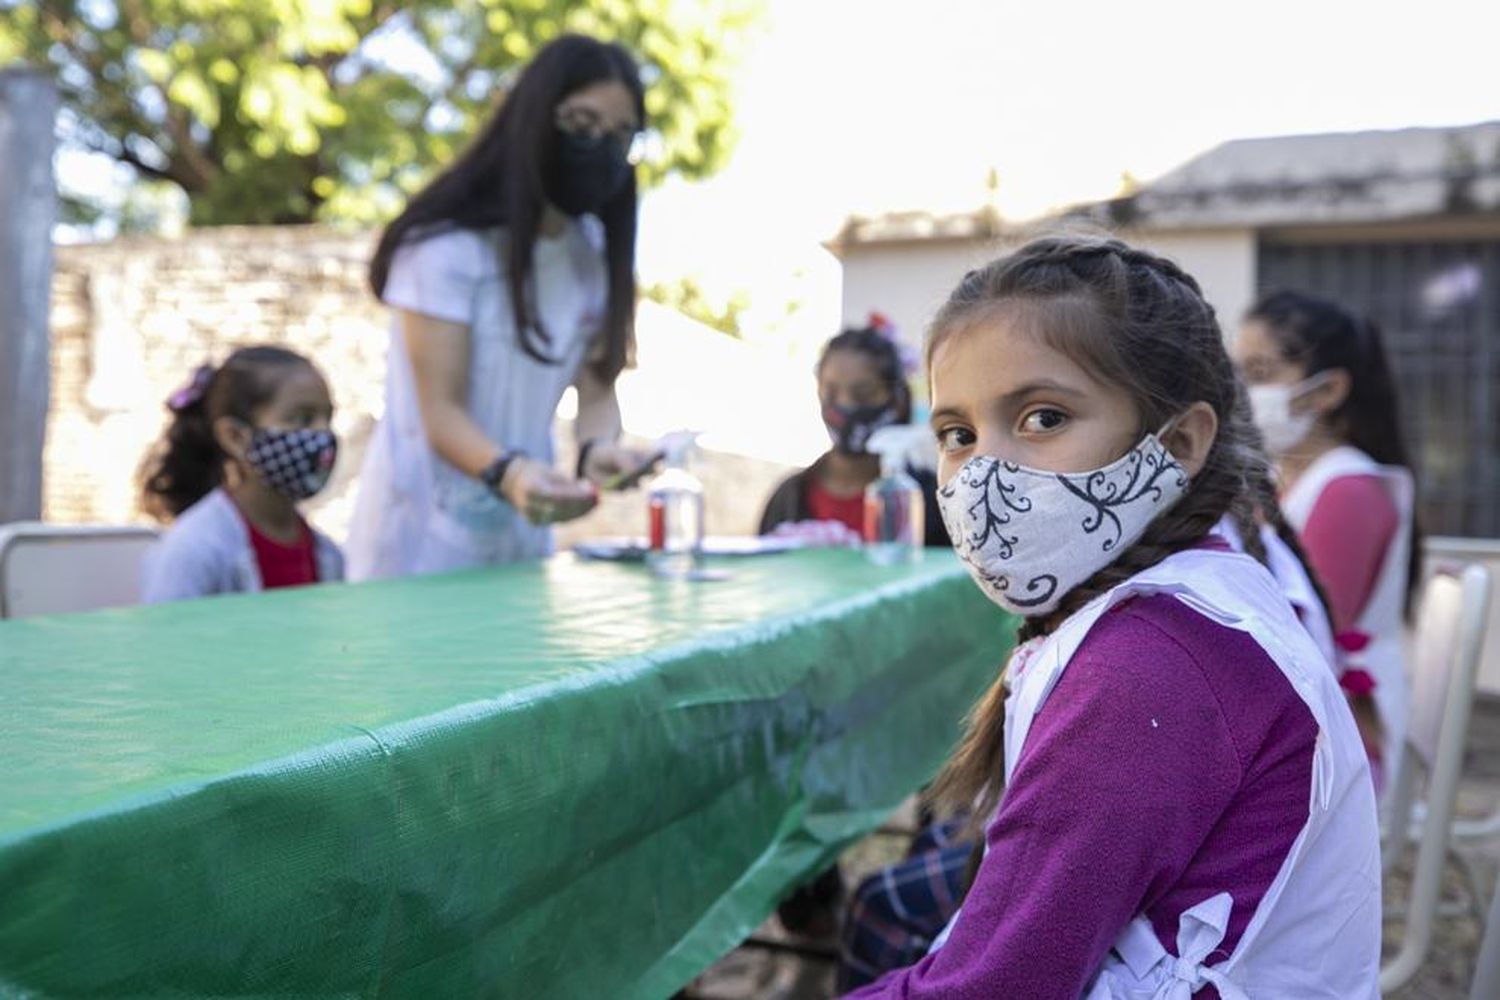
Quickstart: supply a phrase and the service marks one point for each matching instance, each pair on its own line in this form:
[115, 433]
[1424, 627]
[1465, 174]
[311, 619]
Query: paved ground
[754, 973]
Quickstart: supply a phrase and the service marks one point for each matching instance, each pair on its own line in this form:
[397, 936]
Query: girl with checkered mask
[248, 442]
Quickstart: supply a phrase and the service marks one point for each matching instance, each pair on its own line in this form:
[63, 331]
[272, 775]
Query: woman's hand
[615, 467]
[545, 496]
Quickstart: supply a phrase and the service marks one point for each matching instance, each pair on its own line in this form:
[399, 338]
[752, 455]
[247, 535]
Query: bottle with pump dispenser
[895, 518]
[675, 509]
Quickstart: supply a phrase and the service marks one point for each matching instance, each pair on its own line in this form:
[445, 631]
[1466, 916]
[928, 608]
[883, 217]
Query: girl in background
[1323, 395]
[862, 384]
[248, 441]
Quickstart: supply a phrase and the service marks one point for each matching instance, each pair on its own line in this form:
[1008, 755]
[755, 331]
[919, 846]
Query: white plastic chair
[1486, 984]
[53, 568]
[1449, 636]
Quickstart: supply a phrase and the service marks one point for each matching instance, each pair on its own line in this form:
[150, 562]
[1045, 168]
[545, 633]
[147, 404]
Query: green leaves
[303, 110]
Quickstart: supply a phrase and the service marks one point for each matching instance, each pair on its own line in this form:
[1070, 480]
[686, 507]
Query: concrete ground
[751, 972]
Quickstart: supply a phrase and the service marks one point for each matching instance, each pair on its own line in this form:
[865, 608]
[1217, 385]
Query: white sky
[864, 106]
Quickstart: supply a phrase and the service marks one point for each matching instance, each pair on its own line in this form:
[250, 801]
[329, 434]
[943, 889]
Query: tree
[285, 111]
[687, 297]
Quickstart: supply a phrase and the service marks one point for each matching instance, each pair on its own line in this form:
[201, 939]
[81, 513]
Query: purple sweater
[1172, 762]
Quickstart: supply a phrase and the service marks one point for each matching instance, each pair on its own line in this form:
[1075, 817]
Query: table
[557, 779]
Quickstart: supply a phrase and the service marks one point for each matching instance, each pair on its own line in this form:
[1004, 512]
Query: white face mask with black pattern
[1029, 536]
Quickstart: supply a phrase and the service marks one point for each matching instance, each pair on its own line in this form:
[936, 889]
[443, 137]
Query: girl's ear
[233, 437]
[1331, 392]
[1192, 436]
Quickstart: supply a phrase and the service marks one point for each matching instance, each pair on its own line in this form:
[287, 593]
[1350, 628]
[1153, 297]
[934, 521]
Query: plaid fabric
[895, 913]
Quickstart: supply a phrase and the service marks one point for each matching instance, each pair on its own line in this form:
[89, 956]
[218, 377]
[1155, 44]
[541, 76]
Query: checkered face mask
[295, 464]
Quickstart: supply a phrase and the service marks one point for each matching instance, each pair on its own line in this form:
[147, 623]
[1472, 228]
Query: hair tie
[906, 355]
[191, 394]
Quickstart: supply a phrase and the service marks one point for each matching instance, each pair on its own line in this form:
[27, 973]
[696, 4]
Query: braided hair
[1133, 319]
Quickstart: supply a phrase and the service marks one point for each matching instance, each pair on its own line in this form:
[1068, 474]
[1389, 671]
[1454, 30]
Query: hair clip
[192, 393]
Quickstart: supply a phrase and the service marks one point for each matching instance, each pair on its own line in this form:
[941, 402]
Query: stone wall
[132, 318]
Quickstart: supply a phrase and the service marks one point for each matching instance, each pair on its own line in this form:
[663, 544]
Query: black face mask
[295, 464]
[850, 427]
[590, 171]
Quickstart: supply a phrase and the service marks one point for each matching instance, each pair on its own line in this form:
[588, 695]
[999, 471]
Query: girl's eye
[1041, 420]
[951, 439]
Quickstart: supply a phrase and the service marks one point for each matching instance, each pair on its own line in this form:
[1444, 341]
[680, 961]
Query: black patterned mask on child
[295, 464]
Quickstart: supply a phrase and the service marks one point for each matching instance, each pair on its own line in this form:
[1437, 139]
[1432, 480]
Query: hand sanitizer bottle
[675, 505]
[895, 517]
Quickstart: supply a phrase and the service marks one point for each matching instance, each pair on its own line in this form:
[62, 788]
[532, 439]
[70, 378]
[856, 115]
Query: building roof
[1327, 179]
[916, 227]
[1335, 178]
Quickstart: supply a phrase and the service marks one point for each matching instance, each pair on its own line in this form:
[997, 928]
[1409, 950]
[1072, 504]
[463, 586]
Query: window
[1438, 306]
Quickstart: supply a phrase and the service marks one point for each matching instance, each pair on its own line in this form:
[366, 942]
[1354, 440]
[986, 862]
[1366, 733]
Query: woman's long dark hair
[500, 180]
[1320, 335]
[188, 463]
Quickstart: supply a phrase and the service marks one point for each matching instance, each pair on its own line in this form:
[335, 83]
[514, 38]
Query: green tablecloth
[552, 780]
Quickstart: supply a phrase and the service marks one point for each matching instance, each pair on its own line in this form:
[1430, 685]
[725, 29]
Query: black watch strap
[583, 456]
[493, 475]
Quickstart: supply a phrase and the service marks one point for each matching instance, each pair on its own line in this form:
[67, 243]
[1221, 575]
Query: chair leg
[1487, 966]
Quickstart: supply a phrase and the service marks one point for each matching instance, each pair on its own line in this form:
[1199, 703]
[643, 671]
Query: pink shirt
[1346, 537]
[1172, 762]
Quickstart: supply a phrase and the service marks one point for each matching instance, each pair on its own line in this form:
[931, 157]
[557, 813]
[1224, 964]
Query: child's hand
[545, 496]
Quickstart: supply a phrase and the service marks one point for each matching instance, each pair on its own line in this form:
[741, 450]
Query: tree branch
[204, 169]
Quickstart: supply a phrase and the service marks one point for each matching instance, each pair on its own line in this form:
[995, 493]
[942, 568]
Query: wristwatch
[493, 475]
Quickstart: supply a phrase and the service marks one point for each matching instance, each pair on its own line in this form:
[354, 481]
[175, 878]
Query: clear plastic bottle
[895, 514]
[675, 508]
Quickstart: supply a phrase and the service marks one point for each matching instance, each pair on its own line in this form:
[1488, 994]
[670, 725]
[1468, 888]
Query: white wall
[1223, 261]
[909, 281]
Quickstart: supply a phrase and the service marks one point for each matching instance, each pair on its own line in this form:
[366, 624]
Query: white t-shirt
[416, 513]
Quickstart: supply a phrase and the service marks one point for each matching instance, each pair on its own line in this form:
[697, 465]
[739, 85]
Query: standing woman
[1325, 399]
[511, 277]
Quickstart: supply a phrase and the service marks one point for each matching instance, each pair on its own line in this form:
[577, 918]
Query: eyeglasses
[585, 123]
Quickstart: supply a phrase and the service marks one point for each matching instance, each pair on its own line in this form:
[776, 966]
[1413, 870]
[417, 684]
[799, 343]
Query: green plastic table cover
[555, 779]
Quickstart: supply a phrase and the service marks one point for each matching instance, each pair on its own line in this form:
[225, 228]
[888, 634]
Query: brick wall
[132, 318]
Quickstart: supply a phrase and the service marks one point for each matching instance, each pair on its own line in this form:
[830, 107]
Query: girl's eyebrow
[1013, 397]
[943, 413]
[1040, 385]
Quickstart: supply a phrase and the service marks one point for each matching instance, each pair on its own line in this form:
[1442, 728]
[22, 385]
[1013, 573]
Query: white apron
[1291, 576]
[416, 513]
[1383, 618]
[1316, 933]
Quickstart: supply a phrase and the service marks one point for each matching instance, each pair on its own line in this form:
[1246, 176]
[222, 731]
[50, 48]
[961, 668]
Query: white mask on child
[1029, 536]
[1271, 409]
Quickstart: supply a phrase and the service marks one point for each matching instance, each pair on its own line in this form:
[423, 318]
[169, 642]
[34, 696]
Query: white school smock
[1289, 573]
[1383, 618]
[415, 512]
[207, 551]
[1316, 933]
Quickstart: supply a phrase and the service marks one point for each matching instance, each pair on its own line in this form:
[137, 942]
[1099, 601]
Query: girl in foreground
[1186, 808]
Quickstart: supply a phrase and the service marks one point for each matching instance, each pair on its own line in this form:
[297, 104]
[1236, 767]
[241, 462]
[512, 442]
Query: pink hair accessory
[906, 355]
[191, 394]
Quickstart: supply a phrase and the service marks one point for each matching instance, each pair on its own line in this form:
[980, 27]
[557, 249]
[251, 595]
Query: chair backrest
[52, 569]
[1450, 632]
